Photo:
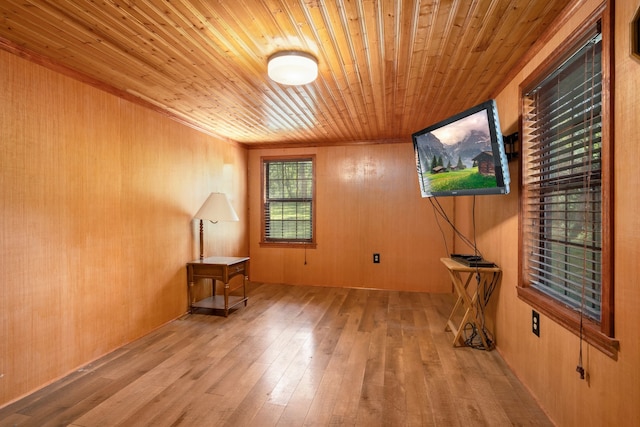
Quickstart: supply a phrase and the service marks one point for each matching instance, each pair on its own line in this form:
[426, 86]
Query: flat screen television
[463, 155]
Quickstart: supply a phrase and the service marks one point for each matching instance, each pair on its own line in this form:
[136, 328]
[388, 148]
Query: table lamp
[215, 208]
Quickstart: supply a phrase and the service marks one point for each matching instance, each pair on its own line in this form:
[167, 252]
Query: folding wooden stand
[468, 296]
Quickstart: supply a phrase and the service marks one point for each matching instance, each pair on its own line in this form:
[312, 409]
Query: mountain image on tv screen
[461, 156]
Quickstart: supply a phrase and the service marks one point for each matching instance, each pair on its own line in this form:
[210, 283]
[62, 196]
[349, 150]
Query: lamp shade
[217, 208]
[292, 68]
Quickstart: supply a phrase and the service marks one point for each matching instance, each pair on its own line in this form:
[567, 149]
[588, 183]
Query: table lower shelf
[216, 302]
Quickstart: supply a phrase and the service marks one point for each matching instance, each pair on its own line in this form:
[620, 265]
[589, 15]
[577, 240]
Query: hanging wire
[587, 201]
[472, 337]
[440, 212]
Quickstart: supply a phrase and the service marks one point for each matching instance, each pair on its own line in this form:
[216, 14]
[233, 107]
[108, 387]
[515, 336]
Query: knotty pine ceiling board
[387, 68]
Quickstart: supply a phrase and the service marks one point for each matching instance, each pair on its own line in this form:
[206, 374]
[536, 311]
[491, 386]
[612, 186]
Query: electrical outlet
[376, 258]
[535, 322]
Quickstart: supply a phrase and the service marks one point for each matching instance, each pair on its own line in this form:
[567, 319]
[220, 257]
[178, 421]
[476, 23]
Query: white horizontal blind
[562, 181]
[288, 204]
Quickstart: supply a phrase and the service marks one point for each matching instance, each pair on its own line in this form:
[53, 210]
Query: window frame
[599, 334]
[292, 243]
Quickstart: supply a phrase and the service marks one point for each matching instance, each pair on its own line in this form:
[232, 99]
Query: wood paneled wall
[547, 365]
[97, 198]
[368, 201]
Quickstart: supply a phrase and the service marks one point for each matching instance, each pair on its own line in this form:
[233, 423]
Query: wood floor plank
[340, 375]
[127, 400]
[201, 410]
[345, 410]
[296, 355]
[394, 403]
[371, 402]
[292, 374]
[375, 310]
[236, 393]
[268, 415]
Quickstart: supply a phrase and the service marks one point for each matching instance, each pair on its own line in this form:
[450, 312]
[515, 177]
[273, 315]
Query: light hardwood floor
[294, 356]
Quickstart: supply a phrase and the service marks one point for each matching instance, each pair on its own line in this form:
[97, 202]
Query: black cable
[444, 238]
[472, 335]
[486, 293]
[586, 222]
[439, 211]
[473, 223]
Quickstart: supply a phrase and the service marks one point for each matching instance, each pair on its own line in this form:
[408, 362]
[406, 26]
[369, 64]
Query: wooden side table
[222, 269]
[468, 296]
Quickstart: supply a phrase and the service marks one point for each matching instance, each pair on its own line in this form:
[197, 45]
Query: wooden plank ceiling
[387, 67]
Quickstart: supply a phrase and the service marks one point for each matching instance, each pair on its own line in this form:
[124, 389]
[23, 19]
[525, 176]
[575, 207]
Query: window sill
[299, 245]
[570, 319]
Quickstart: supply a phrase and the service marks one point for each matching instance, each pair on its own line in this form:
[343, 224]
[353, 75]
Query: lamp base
[201, 240]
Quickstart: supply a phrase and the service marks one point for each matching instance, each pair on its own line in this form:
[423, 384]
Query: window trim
[600, 335]
[287, 243]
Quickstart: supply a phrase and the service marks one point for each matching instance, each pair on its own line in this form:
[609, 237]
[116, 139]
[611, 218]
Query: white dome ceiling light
[292, 68]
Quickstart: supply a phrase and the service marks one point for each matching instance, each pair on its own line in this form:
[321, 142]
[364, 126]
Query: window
[566, 271]
[288, 201]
